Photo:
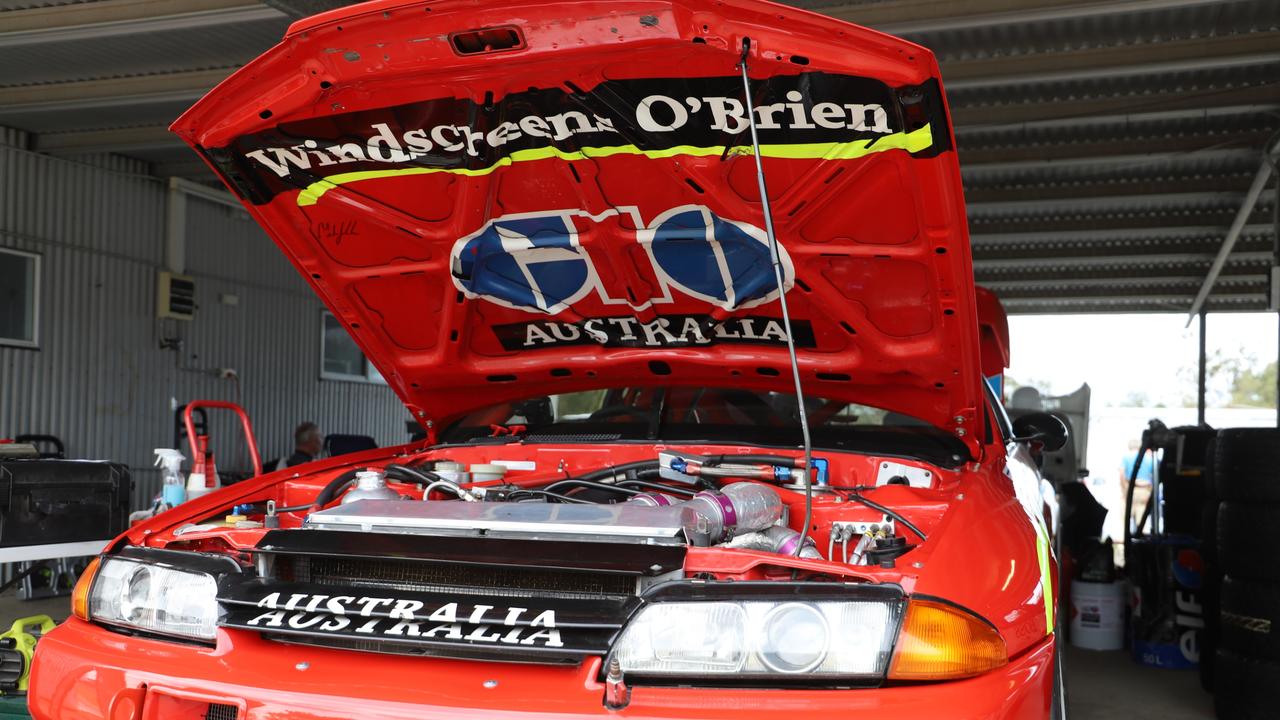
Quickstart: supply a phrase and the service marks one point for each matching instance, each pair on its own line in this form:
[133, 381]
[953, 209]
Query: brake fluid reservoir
[757, 506]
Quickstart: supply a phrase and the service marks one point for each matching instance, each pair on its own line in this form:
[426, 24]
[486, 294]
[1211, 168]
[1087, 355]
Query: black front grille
[491, 581]
[218, 711]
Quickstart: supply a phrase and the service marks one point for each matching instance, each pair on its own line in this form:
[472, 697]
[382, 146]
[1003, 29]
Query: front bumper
[84, 672]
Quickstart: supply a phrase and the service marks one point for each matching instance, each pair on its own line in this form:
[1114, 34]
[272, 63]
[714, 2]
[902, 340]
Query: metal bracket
[916, 477]
[844, 531]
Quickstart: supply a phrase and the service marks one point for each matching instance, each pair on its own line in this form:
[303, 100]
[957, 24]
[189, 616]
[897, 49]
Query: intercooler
[487, 581]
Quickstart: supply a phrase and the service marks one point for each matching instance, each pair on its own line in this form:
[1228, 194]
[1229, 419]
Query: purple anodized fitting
[653, 499]
[727, 510]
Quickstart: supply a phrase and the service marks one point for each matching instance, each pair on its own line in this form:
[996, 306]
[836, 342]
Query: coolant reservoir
[487, 473]
[757, 506]
[452, 471]
[370, 485]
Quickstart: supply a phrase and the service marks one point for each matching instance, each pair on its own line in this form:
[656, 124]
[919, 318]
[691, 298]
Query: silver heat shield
[622, 523]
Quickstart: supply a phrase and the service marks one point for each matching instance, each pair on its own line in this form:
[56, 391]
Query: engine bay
[864, 511]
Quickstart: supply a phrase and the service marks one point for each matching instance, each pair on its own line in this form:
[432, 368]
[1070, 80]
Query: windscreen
[699, 414]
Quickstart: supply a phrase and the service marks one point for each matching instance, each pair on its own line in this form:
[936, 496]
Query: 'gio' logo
[537, 261]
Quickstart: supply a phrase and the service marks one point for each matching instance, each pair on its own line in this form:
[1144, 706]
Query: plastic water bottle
[170, 463]
[757, 506]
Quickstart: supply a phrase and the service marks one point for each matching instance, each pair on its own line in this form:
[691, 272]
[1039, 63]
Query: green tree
[1251, 387]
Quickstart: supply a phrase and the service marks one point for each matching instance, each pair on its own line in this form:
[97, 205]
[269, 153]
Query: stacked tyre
[1211, 584]
[1246, 663]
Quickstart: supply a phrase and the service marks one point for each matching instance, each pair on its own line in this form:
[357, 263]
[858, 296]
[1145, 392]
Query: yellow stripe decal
[914, 141]
[1046, 578]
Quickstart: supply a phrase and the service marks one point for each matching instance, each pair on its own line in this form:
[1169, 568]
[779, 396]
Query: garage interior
[1118, 156]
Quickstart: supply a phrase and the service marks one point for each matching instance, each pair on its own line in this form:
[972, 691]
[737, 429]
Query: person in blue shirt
[1146, 474]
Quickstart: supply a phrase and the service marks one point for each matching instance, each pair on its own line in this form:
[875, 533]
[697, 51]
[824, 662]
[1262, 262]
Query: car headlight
[789, 636]
[154, 596]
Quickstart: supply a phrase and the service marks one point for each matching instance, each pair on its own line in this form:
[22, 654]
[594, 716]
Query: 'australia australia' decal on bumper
[406, 619]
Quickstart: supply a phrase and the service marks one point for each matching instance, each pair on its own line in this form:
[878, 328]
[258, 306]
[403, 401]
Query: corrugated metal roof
[113, 56]
[1101, 31]
[1142, 90]
[29, 4]
[106, 117]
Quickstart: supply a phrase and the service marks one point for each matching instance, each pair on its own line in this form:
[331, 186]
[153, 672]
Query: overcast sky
[1123, 354]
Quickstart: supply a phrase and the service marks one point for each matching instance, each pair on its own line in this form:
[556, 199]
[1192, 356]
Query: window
[679, 414]
[341, 358]
[19, 298]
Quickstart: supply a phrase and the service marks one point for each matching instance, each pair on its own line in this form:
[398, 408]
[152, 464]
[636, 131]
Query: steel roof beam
[306, 8]
[1119, 235]
[1105, 203]
[1181, 143]
[1104, 308]
[1172, 297]
[922, 16]
[1032, 254]
[1184, 290]
[971, 112]
[1128, 186]
[106, 18]
[1237, 226]
[1090, 220]
[1095, 261]
[1131, 118]
[1196, 54]
[185, 169]
[1191, 278]
[1108, 161]
[111, 92]
[117, 140]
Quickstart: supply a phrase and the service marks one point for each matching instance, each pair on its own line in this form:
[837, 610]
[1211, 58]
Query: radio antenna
[776, 256]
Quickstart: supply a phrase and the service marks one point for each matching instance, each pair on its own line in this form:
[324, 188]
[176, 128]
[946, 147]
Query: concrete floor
[1100, 685]
[11, 608]
[1110, 686]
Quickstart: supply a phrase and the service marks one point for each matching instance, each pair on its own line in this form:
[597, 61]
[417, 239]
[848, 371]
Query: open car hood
[501, 200]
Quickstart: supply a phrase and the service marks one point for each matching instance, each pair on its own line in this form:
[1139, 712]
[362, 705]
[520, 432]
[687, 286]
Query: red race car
[680, 293]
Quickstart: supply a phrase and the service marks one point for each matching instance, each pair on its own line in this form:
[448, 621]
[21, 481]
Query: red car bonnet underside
[500, 200]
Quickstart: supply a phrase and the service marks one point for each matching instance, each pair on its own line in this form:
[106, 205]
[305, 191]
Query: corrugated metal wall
[100, 380]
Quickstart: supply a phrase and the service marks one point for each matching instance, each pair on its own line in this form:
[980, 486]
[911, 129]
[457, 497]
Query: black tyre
[1209, 642]
[1209, 534]
[1248, 538]
[1249, 618]
[1211, 588]
[1246, 464]
[1207, 667]
[1245, 689]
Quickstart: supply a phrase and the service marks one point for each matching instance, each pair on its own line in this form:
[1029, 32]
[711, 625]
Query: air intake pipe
[738, 508]
[776, 539]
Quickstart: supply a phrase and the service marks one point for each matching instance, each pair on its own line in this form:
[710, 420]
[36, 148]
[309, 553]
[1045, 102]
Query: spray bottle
[196, 484]
[170, 463]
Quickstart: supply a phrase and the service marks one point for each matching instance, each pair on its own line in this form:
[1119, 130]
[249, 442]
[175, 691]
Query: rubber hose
[789, 462]
[403, 472]
[334, 487]
[615, 470]
[579, 482]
